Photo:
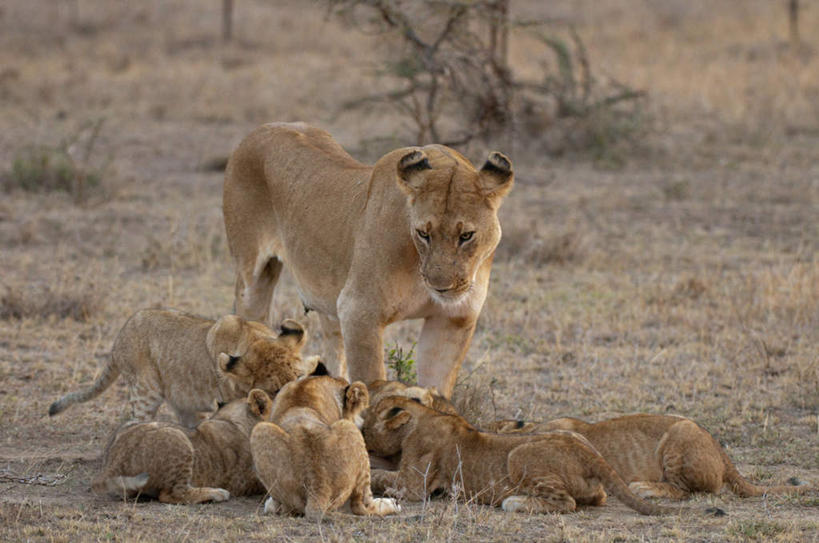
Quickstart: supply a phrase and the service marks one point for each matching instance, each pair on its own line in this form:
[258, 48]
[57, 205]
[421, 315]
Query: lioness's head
[453, 214]
[269, 363]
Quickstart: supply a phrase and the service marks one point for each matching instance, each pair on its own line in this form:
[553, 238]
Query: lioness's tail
[745, 489]
[615, 485]
[120, 484]
[106, 377]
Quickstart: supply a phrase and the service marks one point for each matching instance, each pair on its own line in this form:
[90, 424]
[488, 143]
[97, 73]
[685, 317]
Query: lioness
[168, 355]
[312, 458]
[411, 237]
[665, 456]
[550, 472]
[178, 465]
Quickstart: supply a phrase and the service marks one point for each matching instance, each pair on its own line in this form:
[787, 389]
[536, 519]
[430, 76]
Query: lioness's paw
[385, 506]
[271, 506]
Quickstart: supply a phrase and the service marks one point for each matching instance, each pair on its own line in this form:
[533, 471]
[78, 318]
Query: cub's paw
[272, 507]
[646, 489]
[385, 506]
[219, 495]
[515, 504]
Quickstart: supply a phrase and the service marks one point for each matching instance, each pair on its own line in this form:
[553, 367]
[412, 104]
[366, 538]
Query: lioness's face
[453, 216]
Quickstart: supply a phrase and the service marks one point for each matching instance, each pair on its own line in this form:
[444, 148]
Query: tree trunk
[227, 20]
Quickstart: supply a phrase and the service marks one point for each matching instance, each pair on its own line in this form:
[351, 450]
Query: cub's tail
[106, 377]
[120, 484]
[745, 489]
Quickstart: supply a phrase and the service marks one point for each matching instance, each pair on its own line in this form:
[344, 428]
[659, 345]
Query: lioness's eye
[423, 235]
[466, 236]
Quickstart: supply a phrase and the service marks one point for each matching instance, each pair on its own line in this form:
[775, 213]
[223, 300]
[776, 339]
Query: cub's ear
[259, 403]
[396, 418]
[320, 369]
[356, 399]
[292, 331]
[497, 176]
[227, 363]
[410, 171]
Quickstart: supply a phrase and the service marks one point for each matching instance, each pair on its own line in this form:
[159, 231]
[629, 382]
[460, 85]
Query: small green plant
[402, 363]
[45, 168]
[757, 530]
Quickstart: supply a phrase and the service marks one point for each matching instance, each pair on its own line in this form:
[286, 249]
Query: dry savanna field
[666, 266]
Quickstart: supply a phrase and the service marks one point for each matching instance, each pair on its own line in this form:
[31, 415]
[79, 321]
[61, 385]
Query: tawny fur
[426, 396]
[178, 465]
[664, 456]
[312, 458]
[411, 237]
[551, 472]
[192, 362]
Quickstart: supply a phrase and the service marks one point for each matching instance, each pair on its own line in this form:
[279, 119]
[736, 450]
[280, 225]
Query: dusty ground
[684, 280]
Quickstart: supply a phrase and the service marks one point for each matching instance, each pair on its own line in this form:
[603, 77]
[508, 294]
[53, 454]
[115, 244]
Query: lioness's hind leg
[254, 289]
[651, 489]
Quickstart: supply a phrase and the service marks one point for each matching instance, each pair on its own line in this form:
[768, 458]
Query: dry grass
[686, 280]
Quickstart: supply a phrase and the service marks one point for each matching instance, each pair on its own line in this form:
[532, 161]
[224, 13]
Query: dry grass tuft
[78, 301]
[531, 246]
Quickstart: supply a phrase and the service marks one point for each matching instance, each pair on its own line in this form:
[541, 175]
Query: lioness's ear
[496, 176]
[292, 331]
[396, 418]
[409, 168]
[259, 403]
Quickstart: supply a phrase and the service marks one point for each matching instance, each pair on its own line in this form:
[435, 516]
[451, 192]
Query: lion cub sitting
[168, 355]
[178, 465]
[663, 456]
[535, 473]
[312, 459]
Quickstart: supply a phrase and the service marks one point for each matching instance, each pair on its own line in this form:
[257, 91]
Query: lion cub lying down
[427, 396]
[178, 465]
[665, 456]
[535, 473]
[312, 459]
[168, 355]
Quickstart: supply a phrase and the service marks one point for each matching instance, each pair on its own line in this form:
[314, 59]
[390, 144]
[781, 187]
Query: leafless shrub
[448, 59]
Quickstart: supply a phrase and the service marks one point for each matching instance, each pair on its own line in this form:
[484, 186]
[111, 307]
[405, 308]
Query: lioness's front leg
[441, 350]
[363, 345]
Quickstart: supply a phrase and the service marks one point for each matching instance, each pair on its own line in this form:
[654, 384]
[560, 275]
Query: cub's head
[247, 412]
[453, 215]
[269, 363]
[381, 389]
[389, 422]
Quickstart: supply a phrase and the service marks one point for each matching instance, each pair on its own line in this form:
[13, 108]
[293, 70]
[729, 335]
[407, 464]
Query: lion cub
[168, 355]
[312, 459]
[535, 473]
[661, 456]
[427, 396]
[178, 465]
